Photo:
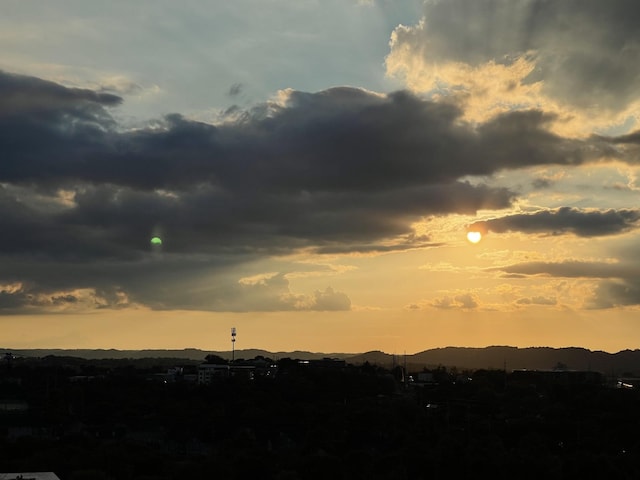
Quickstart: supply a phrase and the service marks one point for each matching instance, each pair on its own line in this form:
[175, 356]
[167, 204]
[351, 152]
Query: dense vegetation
[118, 420]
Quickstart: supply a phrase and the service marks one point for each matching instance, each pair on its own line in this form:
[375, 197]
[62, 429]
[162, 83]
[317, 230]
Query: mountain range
[625, 362]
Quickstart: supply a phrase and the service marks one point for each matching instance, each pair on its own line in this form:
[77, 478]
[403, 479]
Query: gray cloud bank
[582, 223]
[335, 171]
[585, 51]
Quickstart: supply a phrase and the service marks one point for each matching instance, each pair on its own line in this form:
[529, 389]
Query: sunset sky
[312, 169]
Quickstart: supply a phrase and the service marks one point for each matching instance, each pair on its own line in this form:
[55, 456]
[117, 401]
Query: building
[208, 372]
[325, 363]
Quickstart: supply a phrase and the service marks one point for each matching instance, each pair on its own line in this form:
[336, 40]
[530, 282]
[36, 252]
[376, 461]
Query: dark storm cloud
[49, 131]
[339, 140]
[24, 95]
[586, 51]
[564, 220]
[343, 170]
[293, 176]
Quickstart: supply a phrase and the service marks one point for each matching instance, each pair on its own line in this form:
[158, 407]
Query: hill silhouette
[492, 357]
[512, 358]
[187, 353]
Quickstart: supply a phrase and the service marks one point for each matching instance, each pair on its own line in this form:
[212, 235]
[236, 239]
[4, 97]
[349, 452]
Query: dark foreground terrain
[131, 420]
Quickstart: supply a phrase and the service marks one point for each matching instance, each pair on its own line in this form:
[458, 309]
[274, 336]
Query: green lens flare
[156, 241]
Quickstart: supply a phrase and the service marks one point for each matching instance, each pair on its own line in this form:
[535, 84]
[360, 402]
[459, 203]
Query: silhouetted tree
[215, 359]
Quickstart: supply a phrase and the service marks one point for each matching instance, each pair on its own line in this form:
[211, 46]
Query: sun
[474, 237]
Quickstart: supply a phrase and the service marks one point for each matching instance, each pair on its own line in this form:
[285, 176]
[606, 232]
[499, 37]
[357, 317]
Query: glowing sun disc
[474, 237]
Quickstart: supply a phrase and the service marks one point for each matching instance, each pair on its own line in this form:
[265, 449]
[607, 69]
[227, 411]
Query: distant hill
[538, 358]
[377, 357]
[187, 353]
[513, 358]
[494, 357]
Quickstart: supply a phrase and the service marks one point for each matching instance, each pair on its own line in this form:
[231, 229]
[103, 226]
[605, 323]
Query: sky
[312, 169]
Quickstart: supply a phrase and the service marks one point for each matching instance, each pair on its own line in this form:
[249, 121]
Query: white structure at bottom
[29, 476]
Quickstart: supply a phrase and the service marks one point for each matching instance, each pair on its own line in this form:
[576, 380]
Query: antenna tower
[233, 344]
